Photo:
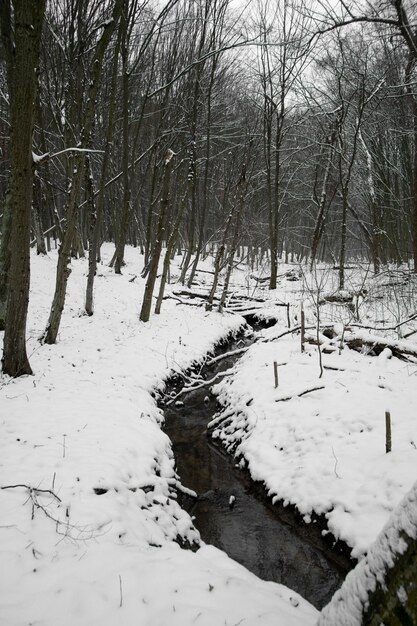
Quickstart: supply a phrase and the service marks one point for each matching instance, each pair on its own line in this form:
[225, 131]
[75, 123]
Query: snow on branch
[40, 159]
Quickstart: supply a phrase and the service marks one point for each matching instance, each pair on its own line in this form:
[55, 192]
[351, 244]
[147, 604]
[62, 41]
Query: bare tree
[160, 235]
[280, 69]
[108, 27]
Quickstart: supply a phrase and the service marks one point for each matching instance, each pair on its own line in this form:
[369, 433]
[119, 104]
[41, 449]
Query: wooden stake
[303, 328]
[288, 315]
[387, 432]
[276, 374]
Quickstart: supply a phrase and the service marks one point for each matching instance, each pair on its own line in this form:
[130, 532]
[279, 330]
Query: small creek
[269, 540]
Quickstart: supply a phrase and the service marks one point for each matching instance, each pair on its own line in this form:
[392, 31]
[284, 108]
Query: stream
[270, 540]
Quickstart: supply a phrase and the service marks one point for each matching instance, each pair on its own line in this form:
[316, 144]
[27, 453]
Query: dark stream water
[270, 540]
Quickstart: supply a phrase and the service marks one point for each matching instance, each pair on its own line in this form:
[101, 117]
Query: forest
[291, 130]
[208, 288]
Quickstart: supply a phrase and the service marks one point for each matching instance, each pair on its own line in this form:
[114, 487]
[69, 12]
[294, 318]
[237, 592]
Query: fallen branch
[299, 395]
[192, 294]
[387, 328]
[285, 332]
[32, 489]
[206, 383]
[378, 344]
[246, 298]
[182, 301]
[226, 355]
[260, 279]
[63, 527]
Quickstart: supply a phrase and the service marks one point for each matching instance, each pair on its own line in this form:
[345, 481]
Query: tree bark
[170, 248]
[5, 258]
[240, 199]
[97, 210]
[63, 270]
[21, 42]
[156, 251]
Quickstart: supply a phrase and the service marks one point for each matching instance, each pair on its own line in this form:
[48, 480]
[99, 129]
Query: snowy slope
[89, 514]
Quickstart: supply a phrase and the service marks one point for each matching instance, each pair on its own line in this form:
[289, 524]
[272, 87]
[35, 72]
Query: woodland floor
[89, 510]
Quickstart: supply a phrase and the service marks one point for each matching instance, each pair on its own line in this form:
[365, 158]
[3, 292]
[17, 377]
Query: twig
[335, 464]
[225, 356]
[32, 490]
[286, 332]
[204, 384]
[62, 527]
[121, 591]
[299, 395]
[386, 328]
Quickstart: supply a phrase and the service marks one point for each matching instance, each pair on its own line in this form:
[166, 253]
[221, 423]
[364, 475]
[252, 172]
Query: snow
[38, 158]
[89, 512]
[347, 605]
[89, 515]
[318, 443]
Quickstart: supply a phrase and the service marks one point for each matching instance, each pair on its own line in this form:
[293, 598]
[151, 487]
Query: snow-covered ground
[348, 604]
[319, 442]
[88, 512]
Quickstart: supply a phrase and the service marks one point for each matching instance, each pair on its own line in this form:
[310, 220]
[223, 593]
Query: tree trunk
[21, 44]
[36, 214]
[170, 248]
[414, 199]
[240, 198]
[374, 211]
[343, 236]
[63, 270]
[218, 260]
[156, 251]
[96, 218]
[321, 202]
[121, 227]
[92, 252]
[5, 259]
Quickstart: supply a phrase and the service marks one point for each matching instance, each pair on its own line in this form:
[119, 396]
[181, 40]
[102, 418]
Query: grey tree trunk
[169, 251]
[96, 217]
[63, 269]
[219, 259]
[156, 252]
[36, 216]
[240, 199]
[321, 202]
[121, 227]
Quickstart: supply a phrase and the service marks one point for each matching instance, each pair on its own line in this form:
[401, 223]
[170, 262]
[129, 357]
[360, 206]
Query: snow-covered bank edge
[98, 545]
[380, 588]
[317, 444]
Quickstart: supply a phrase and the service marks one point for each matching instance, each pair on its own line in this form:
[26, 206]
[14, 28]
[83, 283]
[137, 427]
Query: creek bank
[233, 512]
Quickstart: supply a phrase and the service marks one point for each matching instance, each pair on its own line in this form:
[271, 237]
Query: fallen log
[400, 348]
